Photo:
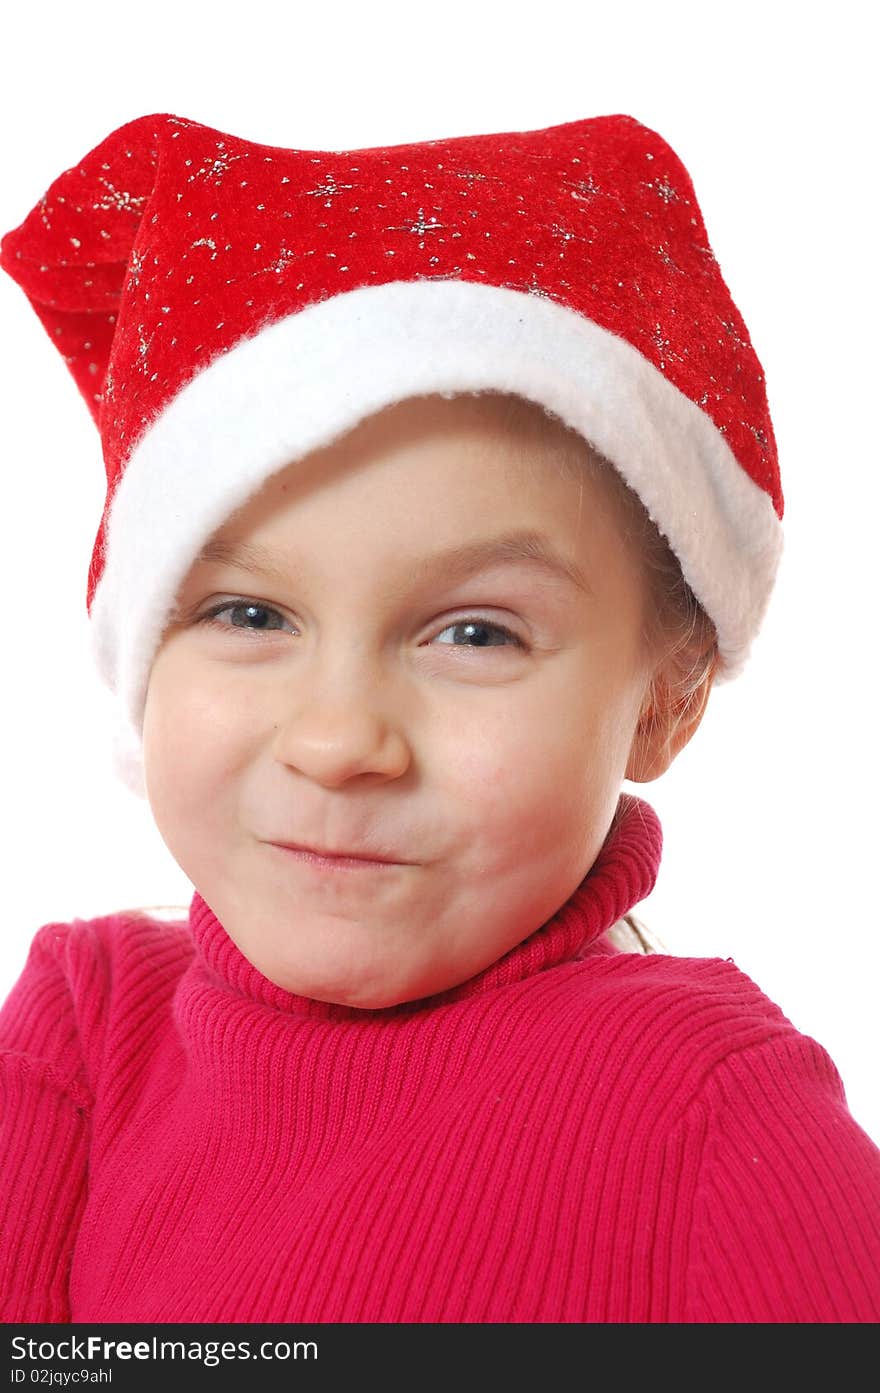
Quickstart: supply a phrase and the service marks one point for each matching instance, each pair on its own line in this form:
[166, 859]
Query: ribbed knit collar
[623, 874]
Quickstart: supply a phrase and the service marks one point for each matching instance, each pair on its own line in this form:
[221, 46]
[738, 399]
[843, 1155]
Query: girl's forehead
[460, 419]
[454, 447]
[473, 478]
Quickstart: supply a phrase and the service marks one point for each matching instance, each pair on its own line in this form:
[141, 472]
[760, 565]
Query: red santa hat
[225, 307]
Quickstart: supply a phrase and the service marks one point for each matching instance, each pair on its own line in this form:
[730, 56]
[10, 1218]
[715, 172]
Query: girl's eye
[475, 628]
[213, 615]
[475, 632]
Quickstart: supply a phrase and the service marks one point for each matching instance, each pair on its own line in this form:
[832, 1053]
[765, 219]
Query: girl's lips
[335, 863]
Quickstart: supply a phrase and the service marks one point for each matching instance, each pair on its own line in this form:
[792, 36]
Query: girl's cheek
[188, 719]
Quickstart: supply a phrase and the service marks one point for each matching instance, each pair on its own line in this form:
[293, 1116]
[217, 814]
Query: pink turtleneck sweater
[572, 1135]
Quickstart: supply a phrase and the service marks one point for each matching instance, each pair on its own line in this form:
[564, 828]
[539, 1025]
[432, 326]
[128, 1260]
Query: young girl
[441, 489]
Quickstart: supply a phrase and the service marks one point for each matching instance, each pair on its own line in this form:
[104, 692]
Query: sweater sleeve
[787, 1208]
[45, 1105]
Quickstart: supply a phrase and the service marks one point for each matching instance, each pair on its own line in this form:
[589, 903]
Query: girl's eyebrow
[509, 549]
[455, 564]
[245, 556]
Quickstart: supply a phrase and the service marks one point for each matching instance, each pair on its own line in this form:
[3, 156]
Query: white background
[769, 815]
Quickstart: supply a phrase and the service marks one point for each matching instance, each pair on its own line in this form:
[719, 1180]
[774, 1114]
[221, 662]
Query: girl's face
[367, 683]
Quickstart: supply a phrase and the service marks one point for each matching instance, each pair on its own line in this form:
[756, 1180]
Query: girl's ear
[665, 726]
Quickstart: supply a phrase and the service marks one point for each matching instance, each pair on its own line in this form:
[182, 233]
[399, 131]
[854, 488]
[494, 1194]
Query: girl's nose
[331, 738]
